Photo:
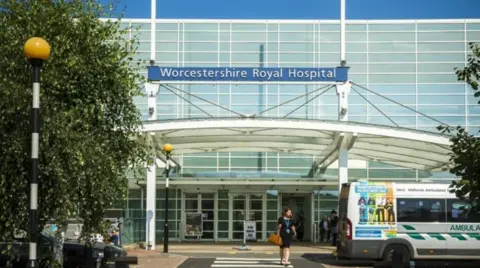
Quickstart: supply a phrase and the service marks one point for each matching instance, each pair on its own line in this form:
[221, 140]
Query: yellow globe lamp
[167, 148]
[36, 48]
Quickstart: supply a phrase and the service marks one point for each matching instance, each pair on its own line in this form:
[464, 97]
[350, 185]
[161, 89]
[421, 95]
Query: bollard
[108, 260]
[88, 253]
[397, 259]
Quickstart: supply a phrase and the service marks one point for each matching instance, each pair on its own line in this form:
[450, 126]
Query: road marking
[248, 263]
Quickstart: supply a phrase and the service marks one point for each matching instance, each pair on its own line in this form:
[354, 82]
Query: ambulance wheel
[388, 252]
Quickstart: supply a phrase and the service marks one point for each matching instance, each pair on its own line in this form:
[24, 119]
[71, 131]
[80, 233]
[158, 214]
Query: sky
[303, 9]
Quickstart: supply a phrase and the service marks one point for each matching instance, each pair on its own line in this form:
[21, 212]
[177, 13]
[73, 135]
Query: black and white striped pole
[37, 50]
[167, 149]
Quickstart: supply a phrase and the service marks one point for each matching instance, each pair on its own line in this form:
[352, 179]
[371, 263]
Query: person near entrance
[334, 227]
[325, 229]
[300, 226]
[286, 230]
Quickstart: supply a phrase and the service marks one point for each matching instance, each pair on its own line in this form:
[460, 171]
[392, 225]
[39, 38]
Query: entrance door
[247, 207]
[255, 207]
[239, 211]
[300, 204]
[201, 203]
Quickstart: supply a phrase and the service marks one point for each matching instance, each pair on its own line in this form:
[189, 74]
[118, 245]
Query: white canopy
[391, 145]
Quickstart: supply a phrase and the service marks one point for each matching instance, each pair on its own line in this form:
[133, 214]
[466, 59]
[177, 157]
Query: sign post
[249, 234]
[250, 231]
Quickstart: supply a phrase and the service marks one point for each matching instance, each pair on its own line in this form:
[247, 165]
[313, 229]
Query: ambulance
[419, 220]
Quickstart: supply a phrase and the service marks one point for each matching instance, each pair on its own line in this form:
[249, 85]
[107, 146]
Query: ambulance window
[461, 211]
[420, 210]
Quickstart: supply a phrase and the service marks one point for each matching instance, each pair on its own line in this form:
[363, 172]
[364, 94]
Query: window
[420, 210]
[461, 211]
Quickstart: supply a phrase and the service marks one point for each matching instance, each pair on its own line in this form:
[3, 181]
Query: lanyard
[287, 223]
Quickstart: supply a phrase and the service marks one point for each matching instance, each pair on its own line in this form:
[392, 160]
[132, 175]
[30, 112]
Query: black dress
[286, 231]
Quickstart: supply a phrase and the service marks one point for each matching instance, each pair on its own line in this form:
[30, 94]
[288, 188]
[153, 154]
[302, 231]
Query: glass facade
[409, 62]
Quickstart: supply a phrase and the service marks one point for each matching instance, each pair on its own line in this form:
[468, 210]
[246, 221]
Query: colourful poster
[375, 203]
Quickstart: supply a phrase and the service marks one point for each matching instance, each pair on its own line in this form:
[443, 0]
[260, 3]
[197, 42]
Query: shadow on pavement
[331, 260]
[196, 263]
[328, 259]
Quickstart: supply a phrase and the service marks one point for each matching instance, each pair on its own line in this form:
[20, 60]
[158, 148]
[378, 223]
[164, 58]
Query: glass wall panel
[388, 37]
[441, 99]
[392, 68]
[248, 36]
[459, 46]
[442, 109]
[166, 47]
[329, 37]
[284, 27]
[441, 57]
[392, 78]
[473, 36]
[441, 89]
[296, 36]
[437, 78]
[389, 57]
[473, 26]
[329, 27]
[355, 27]
[356, 37]
[441, 36]
[440, 26]
[200, 27]
[391, 47]
[434, 67]
[253, 27]
[391, 27]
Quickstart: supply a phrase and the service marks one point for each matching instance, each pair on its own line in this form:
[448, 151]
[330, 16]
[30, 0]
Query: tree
[88, 116]
[465, 155]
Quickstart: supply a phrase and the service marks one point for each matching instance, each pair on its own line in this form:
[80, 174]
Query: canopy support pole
[151, 186]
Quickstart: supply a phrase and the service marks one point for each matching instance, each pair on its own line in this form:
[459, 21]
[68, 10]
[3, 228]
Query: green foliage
[471, 73]
[88, 116]
[465, 155]
[465, 164]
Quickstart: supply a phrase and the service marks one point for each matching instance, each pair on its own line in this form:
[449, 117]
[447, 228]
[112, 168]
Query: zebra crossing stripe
[248, 263]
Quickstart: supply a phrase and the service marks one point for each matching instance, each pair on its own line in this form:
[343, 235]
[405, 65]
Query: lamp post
[167, 149]
[37, 50]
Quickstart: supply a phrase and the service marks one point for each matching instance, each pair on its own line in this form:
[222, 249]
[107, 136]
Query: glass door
[202, 203]
[255, 212]
[207, 201]
[239, 209]
[247, 207]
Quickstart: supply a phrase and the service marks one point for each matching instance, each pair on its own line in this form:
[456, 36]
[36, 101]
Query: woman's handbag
[275, 239]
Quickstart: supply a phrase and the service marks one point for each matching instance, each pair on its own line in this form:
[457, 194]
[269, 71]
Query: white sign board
[250, 231]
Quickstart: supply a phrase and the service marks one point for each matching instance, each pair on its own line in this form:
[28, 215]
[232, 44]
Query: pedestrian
[325, 229]
[334, 228]
[113, 234]
[300, 227]
[286, 230]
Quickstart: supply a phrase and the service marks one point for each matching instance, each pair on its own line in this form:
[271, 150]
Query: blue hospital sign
[338, 74]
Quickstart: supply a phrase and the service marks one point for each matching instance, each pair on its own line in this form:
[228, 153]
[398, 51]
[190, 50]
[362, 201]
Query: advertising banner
[193, 224]
[376, 210]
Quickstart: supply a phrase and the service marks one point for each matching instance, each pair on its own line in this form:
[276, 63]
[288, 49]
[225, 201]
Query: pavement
[223, 255]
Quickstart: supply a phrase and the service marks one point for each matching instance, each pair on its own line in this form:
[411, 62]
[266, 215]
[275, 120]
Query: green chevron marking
[437, 236]
[458, 236]
[409, 227]
[416, 236]
[474, 235]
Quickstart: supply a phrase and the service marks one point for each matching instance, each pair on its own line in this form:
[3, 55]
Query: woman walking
[287, 231]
